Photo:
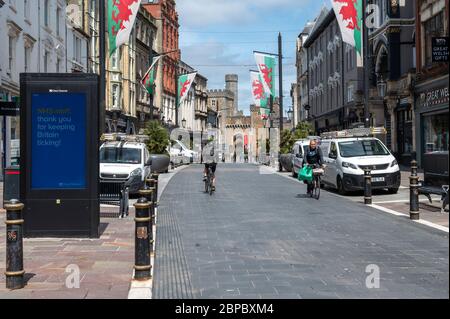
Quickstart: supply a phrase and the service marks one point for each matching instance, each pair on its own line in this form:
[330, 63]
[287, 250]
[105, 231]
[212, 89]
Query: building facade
[432, 83]
[393, 49]
[164, 11]
[299, 91]
[34, 39]
[145, 42]
[334, 80]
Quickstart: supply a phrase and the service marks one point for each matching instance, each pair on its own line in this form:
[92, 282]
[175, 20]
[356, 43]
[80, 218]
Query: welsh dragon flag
[149, 78]
[260, 98]
[265, 113]
[349, 14]
[266, 67]
[121, 18]
[184, 85]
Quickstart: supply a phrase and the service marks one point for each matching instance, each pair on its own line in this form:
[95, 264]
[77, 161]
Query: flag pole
[102, 57]
[280, 69]
[366, 65]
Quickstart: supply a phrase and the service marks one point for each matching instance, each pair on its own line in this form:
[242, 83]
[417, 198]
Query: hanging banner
[266, 66]
[184, 85]
[121, 17]
[260, 98]
[265, 113]
[349, 14]
[148, 81]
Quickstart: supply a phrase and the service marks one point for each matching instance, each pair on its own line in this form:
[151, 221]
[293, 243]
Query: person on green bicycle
[313, 157]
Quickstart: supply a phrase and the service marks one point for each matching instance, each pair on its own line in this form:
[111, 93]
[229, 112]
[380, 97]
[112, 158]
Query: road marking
[423, 222]
[381, 208]
[403, 201]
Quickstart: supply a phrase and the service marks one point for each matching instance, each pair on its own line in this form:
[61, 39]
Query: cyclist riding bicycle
[211, 161]
[313, 157]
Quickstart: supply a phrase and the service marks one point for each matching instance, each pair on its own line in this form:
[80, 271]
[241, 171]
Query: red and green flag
[260, 97]
[148, 81]
[349, 14]
[121, 17]
[184, 85]
[266, 66]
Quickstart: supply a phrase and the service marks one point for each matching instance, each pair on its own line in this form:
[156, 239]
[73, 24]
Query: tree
[158, 138]
[287, 141]
[303, 130]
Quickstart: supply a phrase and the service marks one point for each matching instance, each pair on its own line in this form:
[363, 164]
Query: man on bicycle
[313, 157]
[210, 161]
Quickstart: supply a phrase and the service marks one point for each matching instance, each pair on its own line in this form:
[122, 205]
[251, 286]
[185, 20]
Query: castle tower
[231, 84]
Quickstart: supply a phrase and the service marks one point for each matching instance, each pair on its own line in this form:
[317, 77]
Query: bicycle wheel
[207, 184]
[317, 188]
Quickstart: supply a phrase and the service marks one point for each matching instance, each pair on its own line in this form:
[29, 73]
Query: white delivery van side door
[332, 169]
[325, 147]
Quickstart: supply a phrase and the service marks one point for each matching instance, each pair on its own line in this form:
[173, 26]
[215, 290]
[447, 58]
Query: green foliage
[158, 138]
[288, 138]
[303, 130]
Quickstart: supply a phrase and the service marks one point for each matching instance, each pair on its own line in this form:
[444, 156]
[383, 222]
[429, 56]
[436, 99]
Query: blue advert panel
[58, 137]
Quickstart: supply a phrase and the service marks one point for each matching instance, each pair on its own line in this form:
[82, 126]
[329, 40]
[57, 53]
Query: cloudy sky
[218, 37]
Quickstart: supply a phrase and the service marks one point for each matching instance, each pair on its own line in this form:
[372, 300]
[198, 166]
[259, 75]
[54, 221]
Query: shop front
[432, 108]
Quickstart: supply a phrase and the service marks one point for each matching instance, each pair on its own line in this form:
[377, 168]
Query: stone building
[164, 11]
[33, 37]
[121, 85]
[299, 90]
[334, 80]
[431, 89]
[392, 47]
[193, 112]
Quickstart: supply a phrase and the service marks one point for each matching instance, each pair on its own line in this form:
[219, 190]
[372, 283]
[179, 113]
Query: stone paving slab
[259, 236]
[105, 264]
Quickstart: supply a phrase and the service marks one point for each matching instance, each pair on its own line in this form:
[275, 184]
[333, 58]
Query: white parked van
[347, 158]
[125, 161]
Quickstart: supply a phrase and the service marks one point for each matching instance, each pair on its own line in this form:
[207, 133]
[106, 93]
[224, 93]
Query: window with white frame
[27, 58]
[115, 94]
[350, 93]
[12, 53]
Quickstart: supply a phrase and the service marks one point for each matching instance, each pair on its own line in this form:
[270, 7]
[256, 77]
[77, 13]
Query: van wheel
[340, 186]
[293, 173]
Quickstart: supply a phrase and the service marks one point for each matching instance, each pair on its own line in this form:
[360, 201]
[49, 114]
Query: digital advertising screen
[58, 138]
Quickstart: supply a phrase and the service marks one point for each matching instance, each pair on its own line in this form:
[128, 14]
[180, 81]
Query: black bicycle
[316, 182]
[209, 181]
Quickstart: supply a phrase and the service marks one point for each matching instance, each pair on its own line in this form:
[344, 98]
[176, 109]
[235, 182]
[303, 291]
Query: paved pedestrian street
[259, 236]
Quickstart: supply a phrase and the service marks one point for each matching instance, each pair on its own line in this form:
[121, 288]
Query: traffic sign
[9, 109]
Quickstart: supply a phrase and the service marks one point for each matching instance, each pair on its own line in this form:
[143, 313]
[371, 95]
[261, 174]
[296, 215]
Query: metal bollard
[414, 193]
[142, 266]
[155, 183]
[148, 194]
[367, 187]
[14, 245]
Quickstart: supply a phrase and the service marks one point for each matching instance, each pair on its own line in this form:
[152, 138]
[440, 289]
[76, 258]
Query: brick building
[164, 11]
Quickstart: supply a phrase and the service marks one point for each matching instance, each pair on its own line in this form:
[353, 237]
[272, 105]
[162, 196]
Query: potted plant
[157, 145]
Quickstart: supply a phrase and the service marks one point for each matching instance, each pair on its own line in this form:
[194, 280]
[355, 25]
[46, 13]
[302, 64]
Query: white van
[347, 158]
[181, 154]
[125, 161]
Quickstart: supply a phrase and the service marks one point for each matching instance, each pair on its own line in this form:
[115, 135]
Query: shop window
[435, 132]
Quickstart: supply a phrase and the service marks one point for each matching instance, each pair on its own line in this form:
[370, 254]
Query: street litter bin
[11, 183]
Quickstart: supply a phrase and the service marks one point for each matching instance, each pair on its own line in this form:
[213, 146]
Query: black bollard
[367, 187]
[414, 193]
[155, 177]
[14, 245]
[142, 266]
[148, 194]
